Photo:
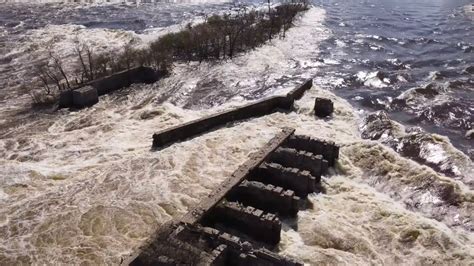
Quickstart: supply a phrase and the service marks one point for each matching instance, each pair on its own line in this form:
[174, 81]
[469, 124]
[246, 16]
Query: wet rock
[85, 96]
[428, 91]
[377, 125]
[458, 84]
[428, 150]
[381, 75]
[5, 59]
[469, 134]
[468, 49]
[410, 145]
[323, 107]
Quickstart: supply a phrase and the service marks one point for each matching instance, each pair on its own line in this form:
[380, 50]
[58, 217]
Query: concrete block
[301, 182]
[125, 78]
[323, 107]
[108, 84]
[259, 108]
[195, 127]
[328, 149]
[302, 160]
[85, 96]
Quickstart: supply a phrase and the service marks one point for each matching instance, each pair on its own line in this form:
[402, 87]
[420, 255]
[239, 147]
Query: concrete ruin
[75, 97]
[323, 107]
[202, 125]
[239, 223]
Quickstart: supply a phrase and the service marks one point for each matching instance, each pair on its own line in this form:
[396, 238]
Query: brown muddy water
[84, 187]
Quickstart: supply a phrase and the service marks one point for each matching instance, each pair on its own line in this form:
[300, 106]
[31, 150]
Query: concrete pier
[266, 196]
[239, 222]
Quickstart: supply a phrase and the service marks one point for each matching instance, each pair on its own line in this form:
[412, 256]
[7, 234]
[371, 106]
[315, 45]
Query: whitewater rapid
[84, 187]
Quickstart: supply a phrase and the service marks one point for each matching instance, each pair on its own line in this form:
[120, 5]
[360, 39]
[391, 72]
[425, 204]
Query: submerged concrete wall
[259, 108]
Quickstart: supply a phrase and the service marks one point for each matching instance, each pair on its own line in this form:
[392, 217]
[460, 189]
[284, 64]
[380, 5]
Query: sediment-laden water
[84, 186]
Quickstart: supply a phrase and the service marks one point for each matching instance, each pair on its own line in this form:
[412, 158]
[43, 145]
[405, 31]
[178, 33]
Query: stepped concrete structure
[240, 223]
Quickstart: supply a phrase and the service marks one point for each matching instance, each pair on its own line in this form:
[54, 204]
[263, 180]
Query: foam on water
[353, 224]
[84, 187]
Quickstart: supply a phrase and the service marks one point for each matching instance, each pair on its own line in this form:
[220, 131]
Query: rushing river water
[83, 187]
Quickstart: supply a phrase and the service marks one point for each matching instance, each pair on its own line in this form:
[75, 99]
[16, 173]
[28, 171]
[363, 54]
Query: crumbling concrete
[327, 149]
[65, 99]
[240, 222]
[323, 107]
[199, 126]
[300, 181]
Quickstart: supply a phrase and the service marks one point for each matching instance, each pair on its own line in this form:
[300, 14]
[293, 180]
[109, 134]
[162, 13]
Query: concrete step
[266, 197]
[328, 149]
